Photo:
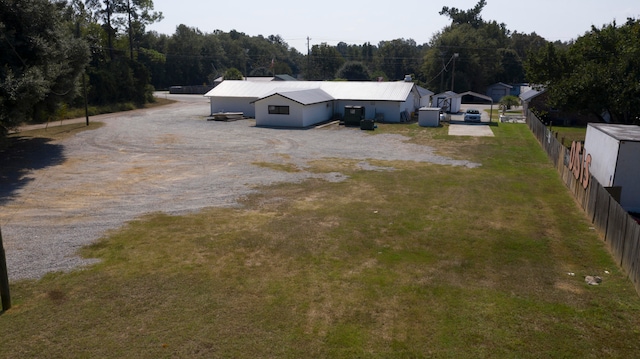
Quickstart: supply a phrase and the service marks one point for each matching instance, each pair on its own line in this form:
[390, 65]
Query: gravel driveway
[168, 159]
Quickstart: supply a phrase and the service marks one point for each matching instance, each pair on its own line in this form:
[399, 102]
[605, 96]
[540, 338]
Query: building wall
[497, 93]
[615, 163]
[317, 113]
[627, 174]
[299, 115]
[388, 110]
[604, 154]
[233, 104]
[425, 101]
[293, 119]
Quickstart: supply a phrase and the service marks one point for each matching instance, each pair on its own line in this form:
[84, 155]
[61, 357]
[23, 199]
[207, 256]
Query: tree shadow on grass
[23, 155]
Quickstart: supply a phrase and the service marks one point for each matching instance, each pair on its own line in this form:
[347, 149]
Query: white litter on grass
[593, 280]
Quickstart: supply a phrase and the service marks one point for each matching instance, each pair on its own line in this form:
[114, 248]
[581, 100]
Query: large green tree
[324, 62]
[486, 51]
[138, 14]
[598, 74]
[40, 60]
[397, 58]
[354, 71]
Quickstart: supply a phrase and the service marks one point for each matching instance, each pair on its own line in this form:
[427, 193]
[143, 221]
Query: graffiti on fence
[579, 163]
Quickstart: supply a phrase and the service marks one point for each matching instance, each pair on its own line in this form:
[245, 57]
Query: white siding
[627, 175]
[389, 110]
[604, 153]
[615, 162]
[317, 113]
[425, 101]
[299, 115]
[233, 104]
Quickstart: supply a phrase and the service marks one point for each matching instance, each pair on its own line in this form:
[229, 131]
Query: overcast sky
[360, 21]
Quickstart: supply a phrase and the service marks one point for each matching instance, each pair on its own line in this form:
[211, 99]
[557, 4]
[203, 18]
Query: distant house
[528, 96]
[304, 103]
[499, 90]
[538, 102]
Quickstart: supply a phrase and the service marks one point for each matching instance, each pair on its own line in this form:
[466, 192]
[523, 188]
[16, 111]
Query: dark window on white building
[278, 110]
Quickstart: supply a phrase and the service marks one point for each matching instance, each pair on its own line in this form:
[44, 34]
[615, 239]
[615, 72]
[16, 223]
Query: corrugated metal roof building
[310, 102]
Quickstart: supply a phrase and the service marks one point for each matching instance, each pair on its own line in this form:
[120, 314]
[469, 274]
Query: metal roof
[528, 95]
[446, 94]
[424, 92]
[358, 91]
[304, 97]
[619, 132]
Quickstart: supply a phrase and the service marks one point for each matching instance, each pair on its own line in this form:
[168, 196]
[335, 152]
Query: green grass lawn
[425, 261]
[566, 135]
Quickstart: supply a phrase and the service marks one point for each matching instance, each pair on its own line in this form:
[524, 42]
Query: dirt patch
[169, 160]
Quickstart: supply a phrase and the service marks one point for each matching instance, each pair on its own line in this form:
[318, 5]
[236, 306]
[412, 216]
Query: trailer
[614, 152]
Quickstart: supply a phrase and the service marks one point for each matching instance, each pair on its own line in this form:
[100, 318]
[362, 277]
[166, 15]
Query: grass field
[566, 135]
[422, 261]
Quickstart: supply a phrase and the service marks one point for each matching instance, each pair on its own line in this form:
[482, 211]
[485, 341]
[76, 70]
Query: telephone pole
[453, 71]
[308, 58]
[4, 279]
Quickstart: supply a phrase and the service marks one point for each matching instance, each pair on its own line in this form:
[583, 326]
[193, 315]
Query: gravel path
[167, 159]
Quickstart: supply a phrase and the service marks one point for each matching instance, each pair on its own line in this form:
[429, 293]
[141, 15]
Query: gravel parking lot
[168, 159]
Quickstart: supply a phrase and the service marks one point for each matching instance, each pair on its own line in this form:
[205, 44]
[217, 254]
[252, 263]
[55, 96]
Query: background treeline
[56, 54]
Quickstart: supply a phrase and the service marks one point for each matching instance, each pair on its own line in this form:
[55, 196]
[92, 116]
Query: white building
[615, 160]
[448, 101]
[298, 108]
[311, 102]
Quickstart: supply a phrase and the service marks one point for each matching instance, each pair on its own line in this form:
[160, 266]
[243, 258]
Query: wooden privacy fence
[620, 231]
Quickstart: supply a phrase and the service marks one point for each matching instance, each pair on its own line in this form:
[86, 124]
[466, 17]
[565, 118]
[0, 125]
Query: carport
[478, 95]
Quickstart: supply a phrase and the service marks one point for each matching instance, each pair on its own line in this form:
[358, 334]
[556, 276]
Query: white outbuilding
[312, 102]
[294, 108]
[448, 101]
[429, 116]
[614, 152]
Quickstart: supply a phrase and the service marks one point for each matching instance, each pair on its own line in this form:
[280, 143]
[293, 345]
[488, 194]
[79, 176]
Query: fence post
[4, 279]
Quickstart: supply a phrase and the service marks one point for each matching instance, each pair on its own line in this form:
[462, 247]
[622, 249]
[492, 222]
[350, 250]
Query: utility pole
[453, 71]
[4, 279]
[308, 58]
[84, 81]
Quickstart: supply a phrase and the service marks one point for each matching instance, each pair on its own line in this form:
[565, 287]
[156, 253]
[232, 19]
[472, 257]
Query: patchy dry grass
[57, 133]
[422, 261]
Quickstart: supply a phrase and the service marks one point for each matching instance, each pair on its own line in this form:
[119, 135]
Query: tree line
[48, 49]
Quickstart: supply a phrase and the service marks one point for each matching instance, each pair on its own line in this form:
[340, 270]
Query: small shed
[429, 117]
[615, 160]
[448, 101]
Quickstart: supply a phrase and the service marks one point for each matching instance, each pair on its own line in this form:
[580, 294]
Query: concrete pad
[470, 130]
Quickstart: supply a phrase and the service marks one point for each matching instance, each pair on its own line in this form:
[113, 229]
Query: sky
[359, 21]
